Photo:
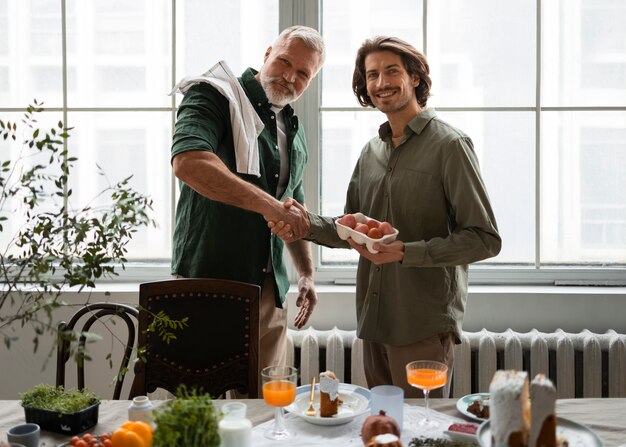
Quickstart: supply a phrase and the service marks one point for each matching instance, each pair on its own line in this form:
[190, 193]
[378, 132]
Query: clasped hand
[290, 230]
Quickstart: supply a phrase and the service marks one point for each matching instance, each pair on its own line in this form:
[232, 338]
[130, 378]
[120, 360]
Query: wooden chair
[217, 351]
[88, 315]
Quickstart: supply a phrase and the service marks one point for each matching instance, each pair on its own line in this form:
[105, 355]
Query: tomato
[80, 443]
[74, 440]
[87, 437]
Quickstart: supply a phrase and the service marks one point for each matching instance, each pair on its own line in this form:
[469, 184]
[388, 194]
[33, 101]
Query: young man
[421, 175]
[221, 229]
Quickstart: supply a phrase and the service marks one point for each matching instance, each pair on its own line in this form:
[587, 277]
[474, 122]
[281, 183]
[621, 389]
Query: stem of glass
[279, 421]
[427, 405]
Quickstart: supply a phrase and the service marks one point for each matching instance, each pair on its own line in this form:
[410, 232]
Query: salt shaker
[140, 409]
[235, 429]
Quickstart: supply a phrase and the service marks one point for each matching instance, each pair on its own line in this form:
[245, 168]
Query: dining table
[606, 417]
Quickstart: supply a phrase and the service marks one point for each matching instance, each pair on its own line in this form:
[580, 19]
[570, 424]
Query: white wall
[495, 308]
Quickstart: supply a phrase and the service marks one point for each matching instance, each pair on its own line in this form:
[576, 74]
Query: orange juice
[426, 379]
[279, 393]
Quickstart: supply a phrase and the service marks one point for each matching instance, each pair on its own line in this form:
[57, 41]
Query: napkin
[245, 122]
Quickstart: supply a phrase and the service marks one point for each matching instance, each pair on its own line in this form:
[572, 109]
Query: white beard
[277, 97]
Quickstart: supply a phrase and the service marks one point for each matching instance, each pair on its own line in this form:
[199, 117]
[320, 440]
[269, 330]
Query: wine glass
[427, 375]
[279, 390]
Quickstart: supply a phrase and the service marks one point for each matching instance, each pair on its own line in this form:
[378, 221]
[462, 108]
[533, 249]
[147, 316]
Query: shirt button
[272, 117]
[258, 104]
[375, 293]
[276, 175]
[389, 169]
[378, 269]
[276, 146]
[264, 270]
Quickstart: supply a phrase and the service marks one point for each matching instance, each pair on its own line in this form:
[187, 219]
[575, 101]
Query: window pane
[14, 209]
[469, 65]
[346, 24]
[120, 52]
[207, 37]
[583, 212]
[124, 144]
[30, 52]
[584, 53]
[504, 144]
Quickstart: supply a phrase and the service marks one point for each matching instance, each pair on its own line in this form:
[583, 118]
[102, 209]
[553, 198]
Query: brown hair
[415, 63]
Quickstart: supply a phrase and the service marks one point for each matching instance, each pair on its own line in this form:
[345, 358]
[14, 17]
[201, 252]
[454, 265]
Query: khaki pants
[386, 364]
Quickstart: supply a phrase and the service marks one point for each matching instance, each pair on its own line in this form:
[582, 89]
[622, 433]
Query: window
[538, 85]
[106, 68]
[541, 93]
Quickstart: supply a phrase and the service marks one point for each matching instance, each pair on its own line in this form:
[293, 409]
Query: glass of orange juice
[427, 375]
[279, 390]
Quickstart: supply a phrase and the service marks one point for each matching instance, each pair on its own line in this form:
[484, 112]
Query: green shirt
[430, 189]
[215, 240]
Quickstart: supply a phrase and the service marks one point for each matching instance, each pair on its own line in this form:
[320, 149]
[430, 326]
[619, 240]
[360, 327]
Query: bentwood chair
[217, 350]
[72, 339]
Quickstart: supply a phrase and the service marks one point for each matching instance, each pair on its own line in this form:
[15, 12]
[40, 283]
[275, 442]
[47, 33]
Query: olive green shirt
[431, 190]
[215, 240]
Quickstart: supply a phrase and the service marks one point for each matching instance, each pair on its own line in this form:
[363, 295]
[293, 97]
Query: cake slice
[510, 409]
[543, 410]
[329, 394]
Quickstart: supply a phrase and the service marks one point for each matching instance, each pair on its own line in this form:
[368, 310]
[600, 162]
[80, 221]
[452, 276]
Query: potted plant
[58, 410]
[189, 420]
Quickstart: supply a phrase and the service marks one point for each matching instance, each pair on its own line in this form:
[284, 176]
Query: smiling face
[288, 69]
[390, 87]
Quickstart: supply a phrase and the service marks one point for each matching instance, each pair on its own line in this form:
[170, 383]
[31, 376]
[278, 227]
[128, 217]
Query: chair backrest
[81, 323]
[217, 351]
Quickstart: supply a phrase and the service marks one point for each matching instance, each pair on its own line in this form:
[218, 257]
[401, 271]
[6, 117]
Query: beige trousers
[385, 364]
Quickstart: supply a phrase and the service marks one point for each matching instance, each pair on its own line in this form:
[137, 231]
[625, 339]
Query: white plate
[356, 401]
[575, 434]
[463, 437]
[362, 239]
[466, 401]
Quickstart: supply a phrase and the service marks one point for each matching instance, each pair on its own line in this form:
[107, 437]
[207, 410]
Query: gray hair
[309, 36]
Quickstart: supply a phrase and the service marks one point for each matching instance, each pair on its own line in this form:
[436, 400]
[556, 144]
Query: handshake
[289, 221]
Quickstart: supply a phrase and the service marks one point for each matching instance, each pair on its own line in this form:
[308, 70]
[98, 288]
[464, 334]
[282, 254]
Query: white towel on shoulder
[246, 124]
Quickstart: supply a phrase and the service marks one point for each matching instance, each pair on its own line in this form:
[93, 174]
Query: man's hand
[387, 253]
[307, 299]
[284, 229]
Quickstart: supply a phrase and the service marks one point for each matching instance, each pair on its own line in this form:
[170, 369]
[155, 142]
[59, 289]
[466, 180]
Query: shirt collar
[416, 125]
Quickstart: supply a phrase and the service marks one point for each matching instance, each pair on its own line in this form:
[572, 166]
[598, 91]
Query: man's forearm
[302, 257]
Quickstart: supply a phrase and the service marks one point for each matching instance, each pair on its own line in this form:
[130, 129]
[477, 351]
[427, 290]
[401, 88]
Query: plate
[576, 435]
[466, 401]
[462, 437]
[356, 401]
[345, 232]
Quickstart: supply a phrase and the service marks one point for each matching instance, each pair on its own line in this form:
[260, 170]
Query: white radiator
[581, 365]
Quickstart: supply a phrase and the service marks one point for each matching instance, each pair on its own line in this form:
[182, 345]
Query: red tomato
[375, 233]
[74, 440]
[80, 443]
[362, 228]
[386, 228]
[87, 437]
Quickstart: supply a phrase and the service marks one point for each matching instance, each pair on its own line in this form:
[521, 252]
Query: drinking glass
[427, 375]
[279, 390]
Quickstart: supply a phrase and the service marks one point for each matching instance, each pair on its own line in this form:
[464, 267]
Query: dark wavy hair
[415, 63]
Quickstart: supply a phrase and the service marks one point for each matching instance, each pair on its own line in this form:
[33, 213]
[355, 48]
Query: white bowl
[362, 239]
